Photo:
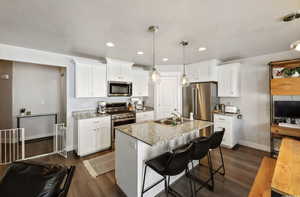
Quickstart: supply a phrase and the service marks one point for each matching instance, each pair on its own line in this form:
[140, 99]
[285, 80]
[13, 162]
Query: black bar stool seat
[169, 164]
[158, 164]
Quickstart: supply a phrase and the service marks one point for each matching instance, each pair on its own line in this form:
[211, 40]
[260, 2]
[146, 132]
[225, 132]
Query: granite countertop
[153, 133]
[88, 114]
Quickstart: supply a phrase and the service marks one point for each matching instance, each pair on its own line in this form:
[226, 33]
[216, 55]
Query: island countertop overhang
[153, 133]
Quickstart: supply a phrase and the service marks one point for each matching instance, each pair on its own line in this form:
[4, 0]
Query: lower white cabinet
[232, 127]
[144, 116]
[93, 135]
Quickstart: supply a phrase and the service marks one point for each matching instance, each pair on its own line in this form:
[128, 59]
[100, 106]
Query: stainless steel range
[120, 115]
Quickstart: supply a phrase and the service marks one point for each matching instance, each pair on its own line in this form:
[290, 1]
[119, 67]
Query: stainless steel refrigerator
[201, 99]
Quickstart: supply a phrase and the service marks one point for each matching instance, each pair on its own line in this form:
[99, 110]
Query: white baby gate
[12, 145]
[60, 140]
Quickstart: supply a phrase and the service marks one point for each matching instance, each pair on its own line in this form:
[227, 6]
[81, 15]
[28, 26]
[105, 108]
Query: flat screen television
[287, 109]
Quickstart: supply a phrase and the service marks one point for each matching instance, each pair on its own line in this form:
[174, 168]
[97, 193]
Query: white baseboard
[255, 145]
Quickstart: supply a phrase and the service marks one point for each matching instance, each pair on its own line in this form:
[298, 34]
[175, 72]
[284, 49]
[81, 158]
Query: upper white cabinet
[203, 71]
[90, 80]
[229, 84]
[140, 81]
[118, 70]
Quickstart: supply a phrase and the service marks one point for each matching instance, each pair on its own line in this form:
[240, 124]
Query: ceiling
[229, 29]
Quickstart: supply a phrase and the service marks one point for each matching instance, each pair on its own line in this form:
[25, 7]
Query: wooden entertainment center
[286, 86]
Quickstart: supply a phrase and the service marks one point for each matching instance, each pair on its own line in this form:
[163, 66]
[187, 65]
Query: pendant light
[184, 79]
[155, 76]
[291, 18]
[296, 46]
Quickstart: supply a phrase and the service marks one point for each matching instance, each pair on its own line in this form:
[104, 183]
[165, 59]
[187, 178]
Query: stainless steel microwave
[117, 88]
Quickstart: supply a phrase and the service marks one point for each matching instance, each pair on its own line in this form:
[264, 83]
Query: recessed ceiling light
[140, 53]
[202, 49]
[165, 59]
[110, 44]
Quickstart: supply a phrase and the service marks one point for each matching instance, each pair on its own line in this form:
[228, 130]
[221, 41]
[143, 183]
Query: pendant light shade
[296, 46]
[184, 79]
[155, 76]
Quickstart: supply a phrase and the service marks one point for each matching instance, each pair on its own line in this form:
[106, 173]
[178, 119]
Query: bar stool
[167, 165]
[200, 150]
[215, 143]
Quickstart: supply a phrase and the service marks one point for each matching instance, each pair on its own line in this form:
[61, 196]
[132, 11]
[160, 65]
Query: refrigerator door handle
[196, 103]
[193, 100]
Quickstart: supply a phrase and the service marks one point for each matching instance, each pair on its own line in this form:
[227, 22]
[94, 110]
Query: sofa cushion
[32, 180]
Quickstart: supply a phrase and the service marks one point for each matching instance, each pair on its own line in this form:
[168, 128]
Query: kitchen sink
[171, 121]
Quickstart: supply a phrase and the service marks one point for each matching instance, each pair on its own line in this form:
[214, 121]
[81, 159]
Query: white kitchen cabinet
[93, 135]
[140, 83]
[232, 127]
[83, 80]
[99, 83]
[229, 82]
[203, 71]
[144, 116]
[90, 80]
[118, 70]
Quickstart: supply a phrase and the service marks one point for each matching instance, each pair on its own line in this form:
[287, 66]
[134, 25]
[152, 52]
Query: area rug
[100, 165]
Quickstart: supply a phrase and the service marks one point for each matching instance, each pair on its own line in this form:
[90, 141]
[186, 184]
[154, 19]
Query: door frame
[179, 96]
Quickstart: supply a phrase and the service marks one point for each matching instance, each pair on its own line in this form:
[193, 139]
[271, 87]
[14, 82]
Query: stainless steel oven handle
[121, 120]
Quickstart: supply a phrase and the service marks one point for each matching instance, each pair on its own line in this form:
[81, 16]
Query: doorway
[168, 95]
[35, 99]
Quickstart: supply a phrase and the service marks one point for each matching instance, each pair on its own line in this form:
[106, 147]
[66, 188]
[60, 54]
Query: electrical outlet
[5, 77]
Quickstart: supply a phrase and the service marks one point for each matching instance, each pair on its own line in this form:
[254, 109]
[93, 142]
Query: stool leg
[190, 180]
[223, 166]
[144, 180]
[194, 185]
[210, 168]
[166, 187]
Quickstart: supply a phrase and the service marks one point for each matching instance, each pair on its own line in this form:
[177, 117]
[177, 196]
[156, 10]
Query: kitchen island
[137, 143]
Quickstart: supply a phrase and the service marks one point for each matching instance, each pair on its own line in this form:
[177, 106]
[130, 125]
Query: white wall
[255, 101]
[37, 89]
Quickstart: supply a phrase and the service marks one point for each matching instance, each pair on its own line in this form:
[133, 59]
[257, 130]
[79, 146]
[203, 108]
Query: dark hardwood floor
[241, 167]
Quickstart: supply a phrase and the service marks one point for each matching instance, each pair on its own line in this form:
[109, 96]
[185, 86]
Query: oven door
[119, 89]
[120, 122]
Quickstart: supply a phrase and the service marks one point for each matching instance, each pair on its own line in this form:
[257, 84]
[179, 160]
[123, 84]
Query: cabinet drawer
[96, 121]
[218, 117]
